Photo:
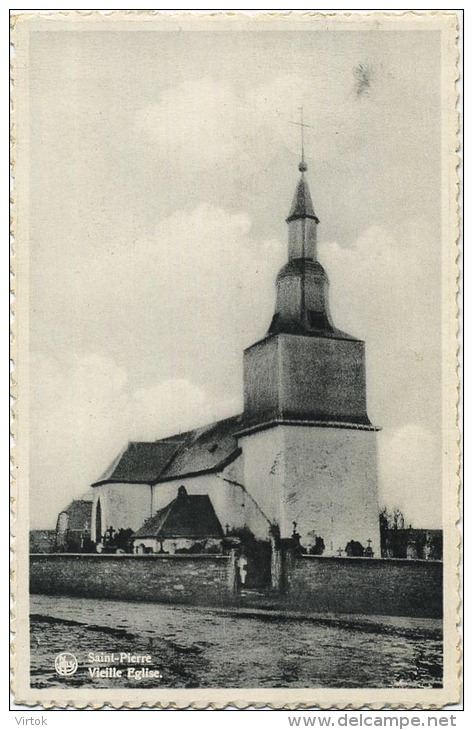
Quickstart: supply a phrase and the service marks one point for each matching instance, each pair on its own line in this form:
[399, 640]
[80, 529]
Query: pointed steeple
[305, 371]
[302, 284]
[302, 221]
[302, 206]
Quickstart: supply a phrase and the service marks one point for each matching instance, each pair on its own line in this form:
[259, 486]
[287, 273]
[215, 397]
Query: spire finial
[302, 163]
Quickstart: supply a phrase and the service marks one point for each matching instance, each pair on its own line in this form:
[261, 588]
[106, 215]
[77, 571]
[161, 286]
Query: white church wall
[122, 505]
[130, 505]
[263, 470]
[244, 505]
[324, 479]
[331, 485]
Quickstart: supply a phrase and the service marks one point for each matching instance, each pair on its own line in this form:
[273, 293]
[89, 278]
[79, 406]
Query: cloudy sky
[163, 165]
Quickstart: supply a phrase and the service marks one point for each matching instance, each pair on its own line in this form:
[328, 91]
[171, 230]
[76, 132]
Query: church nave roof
[204, 449]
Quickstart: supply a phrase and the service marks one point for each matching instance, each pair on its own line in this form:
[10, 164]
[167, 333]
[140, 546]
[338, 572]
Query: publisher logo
[65, 664]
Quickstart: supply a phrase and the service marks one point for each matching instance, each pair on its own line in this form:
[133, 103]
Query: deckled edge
[297, 15]
[457, 162]
[204, 705]
[19, 18]
[13, 369]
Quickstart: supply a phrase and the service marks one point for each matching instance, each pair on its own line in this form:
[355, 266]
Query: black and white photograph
[236, 359]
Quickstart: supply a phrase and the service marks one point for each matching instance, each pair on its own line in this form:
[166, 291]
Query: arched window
[98, 522]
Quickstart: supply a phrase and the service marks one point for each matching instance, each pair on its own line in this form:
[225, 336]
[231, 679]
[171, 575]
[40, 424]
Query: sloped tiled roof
[141, 462]
[188, 515]
[205, 449]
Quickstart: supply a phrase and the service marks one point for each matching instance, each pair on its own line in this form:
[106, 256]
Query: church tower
[309, 449]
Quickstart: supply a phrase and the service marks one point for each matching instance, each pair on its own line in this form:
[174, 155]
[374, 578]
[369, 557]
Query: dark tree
[354, 549]
[390, 525]
[122, 540]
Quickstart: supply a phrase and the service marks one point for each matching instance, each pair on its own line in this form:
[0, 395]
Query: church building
[302, 455]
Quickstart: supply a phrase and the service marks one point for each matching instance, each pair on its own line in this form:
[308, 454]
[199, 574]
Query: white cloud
[384, 293]
[170, 406]
[173, 406]
[409, 474]
[208, 123]
[196, 123]
[159, 303]
[76, 428]
[205, 122]
[84, 411]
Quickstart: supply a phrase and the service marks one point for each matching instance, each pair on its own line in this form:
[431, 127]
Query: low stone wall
[312, 584]
[43, 541]
[197, 579]
[366, 586]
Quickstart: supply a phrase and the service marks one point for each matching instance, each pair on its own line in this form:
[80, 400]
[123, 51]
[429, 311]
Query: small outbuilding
[188, 524]
[73, 527]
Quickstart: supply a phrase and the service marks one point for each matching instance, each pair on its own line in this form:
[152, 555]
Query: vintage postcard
[235, 345]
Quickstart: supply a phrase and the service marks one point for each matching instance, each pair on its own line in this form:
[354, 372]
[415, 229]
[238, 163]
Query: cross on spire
[302, 164]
